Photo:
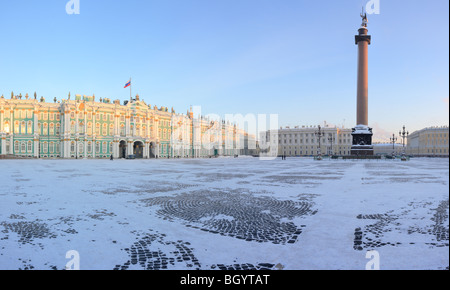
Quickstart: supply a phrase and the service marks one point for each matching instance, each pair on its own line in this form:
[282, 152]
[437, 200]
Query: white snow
[101, 208]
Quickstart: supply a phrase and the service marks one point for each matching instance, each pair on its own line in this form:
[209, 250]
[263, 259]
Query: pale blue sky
[295, 58]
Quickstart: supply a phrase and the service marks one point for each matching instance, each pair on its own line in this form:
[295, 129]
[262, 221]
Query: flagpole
[130, 90]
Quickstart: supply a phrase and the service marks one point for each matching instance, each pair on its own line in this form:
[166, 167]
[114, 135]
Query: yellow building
[431, 141]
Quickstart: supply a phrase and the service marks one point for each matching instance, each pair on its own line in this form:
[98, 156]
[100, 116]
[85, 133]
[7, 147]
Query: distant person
[111, 158]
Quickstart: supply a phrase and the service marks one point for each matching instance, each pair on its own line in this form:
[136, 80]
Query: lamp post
[403, 134]
[331, 140]
[393, 140]
[319, 134]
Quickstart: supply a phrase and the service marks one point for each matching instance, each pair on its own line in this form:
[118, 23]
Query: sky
[294, 58]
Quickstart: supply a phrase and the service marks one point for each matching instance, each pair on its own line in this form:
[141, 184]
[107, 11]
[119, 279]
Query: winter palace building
[85, 128]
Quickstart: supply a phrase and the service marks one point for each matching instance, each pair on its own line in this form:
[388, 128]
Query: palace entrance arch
[123, 149]
[152, 150]
[138, 149]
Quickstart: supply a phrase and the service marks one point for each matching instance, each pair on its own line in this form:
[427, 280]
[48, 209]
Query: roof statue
[365, 21]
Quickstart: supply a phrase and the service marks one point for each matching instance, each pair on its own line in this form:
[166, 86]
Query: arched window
[58, 129]
[30, 128]
[111, 129]
[52, 147]
[23, 128]
[105, 129]
[45, 147]
[89, 128]
[30, 147]
[58, 148]
[52, 129]
[97, 129]
[45, 130]
[16, 127]
[23, 147]
[104, 147]
[7, 127]
[81, 127]
[111, 147]
[89, 147]
[16, 147]
[122, 130]
[72, 147]
[80, 147]
[97, 147]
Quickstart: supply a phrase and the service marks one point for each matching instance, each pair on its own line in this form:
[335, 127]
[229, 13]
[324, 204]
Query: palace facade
[85, 128]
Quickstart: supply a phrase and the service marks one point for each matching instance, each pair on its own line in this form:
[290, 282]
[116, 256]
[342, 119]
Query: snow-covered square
[224, 213]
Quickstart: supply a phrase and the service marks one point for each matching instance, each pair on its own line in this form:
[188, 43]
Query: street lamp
[331, 140]
[393, 140]
[319, 134]
[403, 134]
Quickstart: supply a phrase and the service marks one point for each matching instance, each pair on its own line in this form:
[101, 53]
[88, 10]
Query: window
[111, 147]
[105, 117]
[72, 147]
[30, 128]
[81, 127]
[111, 129]
[97, 129]
[72, 127]
[89, 147]
[7, 127]
[72, 115]
[52, 147]
[45, 129]
[105, 129]
[45, 147]
[58, 148]
[16, 146]
[89, 128]
[122, 130]
[58, 129]
[104, 147]
[30, 114]
[52, 117]
[23, 128]
[23, 147]
[30, 147]
[97, 147]
[80, 147]
[52, 129]
[16, 127]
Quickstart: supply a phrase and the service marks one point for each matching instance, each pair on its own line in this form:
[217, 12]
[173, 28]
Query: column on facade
[94, 133]
[85, 133]
[2, 134]
[36, 132]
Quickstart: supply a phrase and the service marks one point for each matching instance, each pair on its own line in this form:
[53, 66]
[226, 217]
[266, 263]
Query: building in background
[430, 142]
[303, 141]
[85, 128]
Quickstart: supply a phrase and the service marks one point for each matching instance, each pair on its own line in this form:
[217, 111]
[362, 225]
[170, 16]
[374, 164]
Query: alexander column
[362, 134]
